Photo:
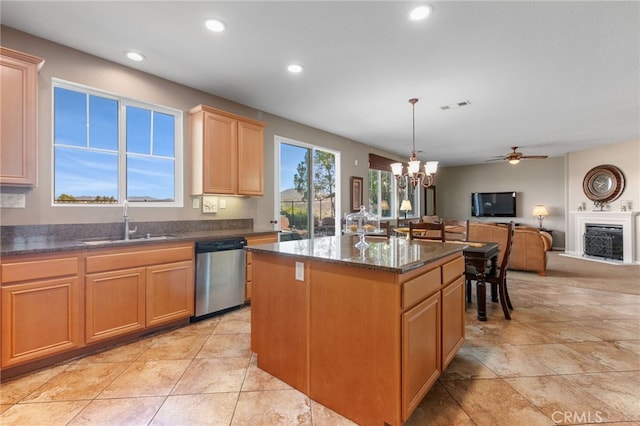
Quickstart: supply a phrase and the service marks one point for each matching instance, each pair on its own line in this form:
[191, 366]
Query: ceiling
[550, 77]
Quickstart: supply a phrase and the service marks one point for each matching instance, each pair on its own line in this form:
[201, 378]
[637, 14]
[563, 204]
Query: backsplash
[114, 230]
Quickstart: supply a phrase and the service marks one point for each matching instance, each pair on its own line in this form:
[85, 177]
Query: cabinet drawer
[122, 259]
[452, 270]
[420, 287]
[39, 269]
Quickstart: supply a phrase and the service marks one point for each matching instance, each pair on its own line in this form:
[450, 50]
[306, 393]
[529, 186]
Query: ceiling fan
[514, 156]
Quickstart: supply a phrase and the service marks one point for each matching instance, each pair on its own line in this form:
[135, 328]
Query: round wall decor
[603, 183]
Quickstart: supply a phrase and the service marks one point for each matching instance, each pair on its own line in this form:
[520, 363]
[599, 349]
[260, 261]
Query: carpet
[574, 272]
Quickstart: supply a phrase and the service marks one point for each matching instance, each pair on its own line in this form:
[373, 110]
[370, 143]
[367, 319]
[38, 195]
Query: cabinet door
[250, 159]
[220, 156]
[18, 124]
[420, 352]
[115, 303]
[452, 320]
[169, 292]
[40, 319]
[253, 241]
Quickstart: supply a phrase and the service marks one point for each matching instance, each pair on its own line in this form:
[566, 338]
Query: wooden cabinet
[41, 307]
[115, 303]
[421, 365]
[253, 241]
[228, 153]
[18, 121]
[131, 289]
[452, 320]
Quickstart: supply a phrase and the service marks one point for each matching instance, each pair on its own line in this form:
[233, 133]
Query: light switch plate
[209, 204]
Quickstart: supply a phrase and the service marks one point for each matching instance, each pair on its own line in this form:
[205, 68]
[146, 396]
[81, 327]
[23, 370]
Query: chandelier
[414, 175]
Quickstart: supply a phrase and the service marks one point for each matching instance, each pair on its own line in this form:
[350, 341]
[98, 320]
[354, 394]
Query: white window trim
[123, 103]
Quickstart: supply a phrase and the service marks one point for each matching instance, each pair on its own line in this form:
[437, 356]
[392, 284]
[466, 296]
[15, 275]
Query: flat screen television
[493, 204]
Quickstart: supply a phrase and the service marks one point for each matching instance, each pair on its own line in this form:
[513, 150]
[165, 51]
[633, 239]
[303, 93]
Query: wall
[625, 156]
[535, 181]
[75, 66]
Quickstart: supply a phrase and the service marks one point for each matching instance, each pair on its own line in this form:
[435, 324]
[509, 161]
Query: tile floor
[569, 356]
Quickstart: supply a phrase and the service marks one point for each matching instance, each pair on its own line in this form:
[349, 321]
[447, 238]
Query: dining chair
[455, 229]
[427, 231]
[503, 235]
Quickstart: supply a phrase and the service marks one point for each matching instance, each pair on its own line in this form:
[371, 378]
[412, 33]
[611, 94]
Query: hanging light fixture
[413, 174]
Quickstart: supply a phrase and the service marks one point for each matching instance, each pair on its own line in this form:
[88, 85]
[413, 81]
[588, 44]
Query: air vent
[456, 105]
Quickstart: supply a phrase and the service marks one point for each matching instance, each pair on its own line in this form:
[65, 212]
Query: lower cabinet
[254, 241]
[420, 351]
[452, 320]
[115, 303]
[41, 307]
[131, 289]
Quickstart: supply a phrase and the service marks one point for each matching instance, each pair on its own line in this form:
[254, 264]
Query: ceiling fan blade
[536, 157]
[495, 159]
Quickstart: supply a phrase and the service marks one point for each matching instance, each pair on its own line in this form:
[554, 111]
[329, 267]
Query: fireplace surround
[579, 220]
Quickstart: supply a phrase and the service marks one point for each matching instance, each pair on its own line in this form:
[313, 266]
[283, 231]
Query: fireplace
[603, 240]
[621, 220]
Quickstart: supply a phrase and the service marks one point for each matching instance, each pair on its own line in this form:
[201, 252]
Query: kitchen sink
[106, 241]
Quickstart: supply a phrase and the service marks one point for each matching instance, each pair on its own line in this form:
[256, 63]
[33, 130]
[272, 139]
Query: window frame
[123, 103]
[397, 197]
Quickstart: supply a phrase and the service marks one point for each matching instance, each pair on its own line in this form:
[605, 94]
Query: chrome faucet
[125, 215]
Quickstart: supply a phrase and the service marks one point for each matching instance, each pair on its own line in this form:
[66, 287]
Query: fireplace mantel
[580, 219]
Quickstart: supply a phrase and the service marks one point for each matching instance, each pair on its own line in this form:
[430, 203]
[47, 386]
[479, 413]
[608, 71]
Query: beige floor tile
[523, 334]
[226, 345]
[620, 390]
[15, 390]
[42, 413]
[206, 409]
[562, 359]
[322, 416]
[4, 407]
[182, 346]
[611, 355]
[438, 408]
[123, 353]
[213, 375]
[610, 329]
[510, 361]
[274, 408]
[563, 401]
[465, 366]
[559, 332]
[258, 379]
[493, 402]
[205, 326]
[80, 381]
[233, 325]
[150, 378]
[127, 411]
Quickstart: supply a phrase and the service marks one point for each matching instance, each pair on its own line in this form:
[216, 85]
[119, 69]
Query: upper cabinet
[18, 121]
[228, 153]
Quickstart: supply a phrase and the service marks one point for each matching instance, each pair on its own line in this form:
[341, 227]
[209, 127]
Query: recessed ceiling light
[421, 12]
[135, 56]
[295, 68]
[215, 25]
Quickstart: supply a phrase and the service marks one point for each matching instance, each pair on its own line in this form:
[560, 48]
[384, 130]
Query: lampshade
[514, 161]
[384, 205]
[540, 210]
[405, 206]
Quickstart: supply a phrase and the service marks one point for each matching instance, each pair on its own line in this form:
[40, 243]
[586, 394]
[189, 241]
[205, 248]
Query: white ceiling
[548, 76]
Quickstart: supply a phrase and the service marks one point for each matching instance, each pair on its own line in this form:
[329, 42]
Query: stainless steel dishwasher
[220, 276]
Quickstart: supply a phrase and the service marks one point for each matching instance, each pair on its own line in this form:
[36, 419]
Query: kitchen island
[365, 333]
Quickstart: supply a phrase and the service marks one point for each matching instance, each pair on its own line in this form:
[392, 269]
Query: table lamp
[540, 211]
[405, 207]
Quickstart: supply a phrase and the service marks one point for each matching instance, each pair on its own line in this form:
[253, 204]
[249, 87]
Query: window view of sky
[290, 157]
[86, 129]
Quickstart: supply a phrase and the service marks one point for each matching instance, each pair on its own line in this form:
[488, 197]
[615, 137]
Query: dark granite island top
[365, 334]
[397, 255]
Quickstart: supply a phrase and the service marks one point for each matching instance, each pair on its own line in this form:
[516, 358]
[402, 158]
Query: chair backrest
[431, 219]
[455, 229]
[430, 231]
[284, 223]
[508, 248]
[491, 233]
[385, 228]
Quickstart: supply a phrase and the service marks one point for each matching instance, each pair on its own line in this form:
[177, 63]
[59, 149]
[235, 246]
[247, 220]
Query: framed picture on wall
[356, 193]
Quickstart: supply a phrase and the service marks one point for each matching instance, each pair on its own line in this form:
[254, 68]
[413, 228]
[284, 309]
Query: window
[384, 197]
[107, 149]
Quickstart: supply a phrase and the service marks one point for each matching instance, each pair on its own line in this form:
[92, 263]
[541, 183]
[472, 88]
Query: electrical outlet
[299, 271]
[209, 204]
[223, 203]
[196, 203]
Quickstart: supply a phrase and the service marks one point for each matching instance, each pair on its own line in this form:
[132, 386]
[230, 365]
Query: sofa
[530, 246]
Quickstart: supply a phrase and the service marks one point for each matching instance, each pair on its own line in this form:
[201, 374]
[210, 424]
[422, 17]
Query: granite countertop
[55, 243]
[396, 255]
